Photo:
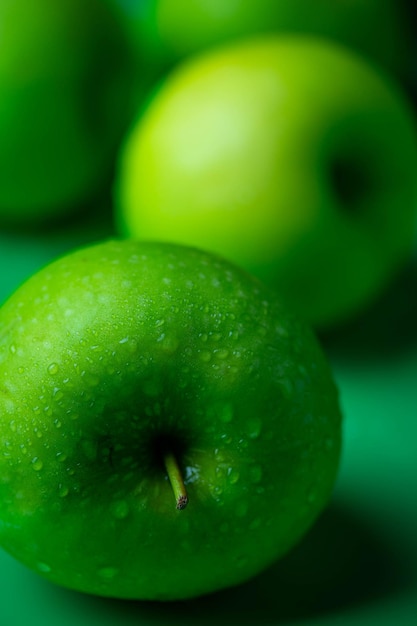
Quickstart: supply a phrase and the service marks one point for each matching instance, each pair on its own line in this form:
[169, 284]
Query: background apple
[290, 156]
[65, 81]
[165, 31]
[114, 355]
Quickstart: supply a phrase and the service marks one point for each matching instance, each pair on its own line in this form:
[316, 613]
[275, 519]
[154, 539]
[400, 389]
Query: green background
[358, 565]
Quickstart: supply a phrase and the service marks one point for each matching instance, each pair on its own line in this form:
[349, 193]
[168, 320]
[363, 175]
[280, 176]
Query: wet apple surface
[119, 354]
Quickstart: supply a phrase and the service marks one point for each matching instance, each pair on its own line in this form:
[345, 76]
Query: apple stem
[176, 480]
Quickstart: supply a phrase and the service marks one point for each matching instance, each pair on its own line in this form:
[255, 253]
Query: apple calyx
[176, 480]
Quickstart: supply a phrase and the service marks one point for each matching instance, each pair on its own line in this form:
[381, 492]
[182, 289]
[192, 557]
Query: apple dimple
[352, 182]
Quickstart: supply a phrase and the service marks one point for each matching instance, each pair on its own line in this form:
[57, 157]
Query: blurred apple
[167, 30]
[290, 156]
[65, 73]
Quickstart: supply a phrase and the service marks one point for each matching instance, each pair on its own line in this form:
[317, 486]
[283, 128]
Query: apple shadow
[387, 328]
[340, 564]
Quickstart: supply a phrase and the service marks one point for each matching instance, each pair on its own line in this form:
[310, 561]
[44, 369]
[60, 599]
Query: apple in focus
[136, 377]
[292, 157]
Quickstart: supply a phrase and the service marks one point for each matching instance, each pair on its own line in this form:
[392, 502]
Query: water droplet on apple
[204, 337]
[61, 457]
[216, 490]
[205, 356]
[63, 491]
[254, 427]
[13, 348]
[169, 344]
[57, 423]
[53, 369]
[107, 572]
[120, 509]
[21, 370]
[233, 475]
[12, 425]
[221, 354]
[37, 464]
[43, 567]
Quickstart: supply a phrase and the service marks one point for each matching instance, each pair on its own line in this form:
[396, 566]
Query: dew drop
[61, 457]
[205, 356]
[53, 369]
[37, 464]
[221, 354]
[233, 475]
[169, 344]
[63, 491]
[254, 427]
[216, 491]
[57, 394]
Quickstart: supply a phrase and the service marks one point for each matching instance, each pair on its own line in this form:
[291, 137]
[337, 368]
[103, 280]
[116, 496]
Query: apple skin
[166, 31]
[289, 156]
[65, 83]
[113, 347]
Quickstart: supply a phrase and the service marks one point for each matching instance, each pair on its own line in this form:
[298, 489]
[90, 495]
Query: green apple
[137, 376]
[65, 72]
[291, 157]
[168, 30]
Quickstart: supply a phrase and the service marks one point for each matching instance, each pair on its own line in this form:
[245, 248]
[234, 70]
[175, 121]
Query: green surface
[359, 563]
